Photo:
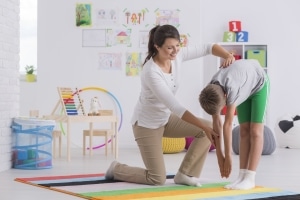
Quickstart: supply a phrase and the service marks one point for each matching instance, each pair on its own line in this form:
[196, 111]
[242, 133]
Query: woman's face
[169, 49]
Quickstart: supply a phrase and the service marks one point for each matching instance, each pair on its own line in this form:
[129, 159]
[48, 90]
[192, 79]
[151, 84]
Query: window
[28, 34]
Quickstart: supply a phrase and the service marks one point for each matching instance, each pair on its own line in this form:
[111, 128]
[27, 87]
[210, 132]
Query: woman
[158, 114]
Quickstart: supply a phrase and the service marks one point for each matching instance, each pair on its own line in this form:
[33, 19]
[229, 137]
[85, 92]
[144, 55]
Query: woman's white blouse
[157, 97]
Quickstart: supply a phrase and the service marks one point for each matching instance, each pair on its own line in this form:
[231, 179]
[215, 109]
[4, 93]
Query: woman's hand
[210, 133]
[228, 60]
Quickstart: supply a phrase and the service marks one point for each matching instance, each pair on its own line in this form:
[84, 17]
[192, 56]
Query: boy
[243, 86]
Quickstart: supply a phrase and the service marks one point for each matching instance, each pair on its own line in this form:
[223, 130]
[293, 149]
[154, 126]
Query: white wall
[271, 22]
[63, 62]
[9, 77]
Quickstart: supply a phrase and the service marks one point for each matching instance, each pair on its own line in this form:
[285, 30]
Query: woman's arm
[190, 118]
[219, 51]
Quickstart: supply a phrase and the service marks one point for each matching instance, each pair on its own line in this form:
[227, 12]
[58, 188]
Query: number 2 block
[242, 36]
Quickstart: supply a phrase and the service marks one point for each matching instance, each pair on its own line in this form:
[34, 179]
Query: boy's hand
[227, 167]
[221, 161]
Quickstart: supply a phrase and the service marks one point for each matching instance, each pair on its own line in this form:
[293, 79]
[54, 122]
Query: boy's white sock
[238, 180]
[248, 182]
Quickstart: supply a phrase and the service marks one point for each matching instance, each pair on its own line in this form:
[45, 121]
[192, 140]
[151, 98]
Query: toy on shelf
[235, 33]
[94, 107]
[71, 106]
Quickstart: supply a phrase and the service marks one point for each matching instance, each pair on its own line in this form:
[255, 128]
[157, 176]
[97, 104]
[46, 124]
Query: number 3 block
[229, 36]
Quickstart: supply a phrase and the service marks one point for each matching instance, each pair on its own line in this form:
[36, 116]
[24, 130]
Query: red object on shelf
[237, 57]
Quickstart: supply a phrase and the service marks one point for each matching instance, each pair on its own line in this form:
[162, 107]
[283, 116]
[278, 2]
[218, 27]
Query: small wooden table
[69, 119]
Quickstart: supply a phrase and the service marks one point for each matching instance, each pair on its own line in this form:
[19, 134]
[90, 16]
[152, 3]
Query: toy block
[242, 36]
[22, 154]
[32, 153]
[229, 36]
[235, 26]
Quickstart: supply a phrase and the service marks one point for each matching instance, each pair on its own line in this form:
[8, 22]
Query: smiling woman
[28, 34]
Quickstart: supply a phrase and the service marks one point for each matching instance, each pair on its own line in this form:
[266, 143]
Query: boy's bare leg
[256, 147]
[244, 149]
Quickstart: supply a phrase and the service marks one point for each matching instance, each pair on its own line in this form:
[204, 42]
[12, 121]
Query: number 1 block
[235, 26]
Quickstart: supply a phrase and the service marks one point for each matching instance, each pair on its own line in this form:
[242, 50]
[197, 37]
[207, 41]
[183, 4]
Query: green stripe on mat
[154, 189]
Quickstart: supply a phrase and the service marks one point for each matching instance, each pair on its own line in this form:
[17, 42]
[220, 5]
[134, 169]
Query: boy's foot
[238, 180]
[248, 181]
[246, 184]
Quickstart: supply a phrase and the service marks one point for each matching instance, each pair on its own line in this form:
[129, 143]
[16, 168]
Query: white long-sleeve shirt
[157, 97]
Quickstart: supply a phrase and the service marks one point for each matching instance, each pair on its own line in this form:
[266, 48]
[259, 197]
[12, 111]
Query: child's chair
[102, 132]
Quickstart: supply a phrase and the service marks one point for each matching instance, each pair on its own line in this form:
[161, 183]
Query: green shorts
[254, 108]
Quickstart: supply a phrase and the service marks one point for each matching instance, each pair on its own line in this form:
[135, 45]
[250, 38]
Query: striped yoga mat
[94, 186]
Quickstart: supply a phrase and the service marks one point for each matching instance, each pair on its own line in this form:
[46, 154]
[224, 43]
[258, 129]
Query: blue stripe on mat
[252, 196]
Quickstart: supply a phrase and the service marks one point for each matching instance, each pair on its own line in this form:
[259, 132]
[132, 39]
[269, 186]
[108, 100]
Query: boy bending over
[244, 87]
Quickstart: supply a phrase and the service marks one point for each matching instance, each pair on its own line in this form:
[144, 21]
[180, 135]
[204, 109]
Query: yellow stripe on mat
[188, 194]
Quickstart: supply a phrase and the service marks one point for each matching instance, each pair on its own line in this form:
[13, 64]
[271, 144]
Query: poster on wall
[93, 38]
[110, 61]
[134, 17]
[133, 63]
[167, 17]
[83, 15]
[106, 17]
[143, 39]
[116, 37]
[184, 40]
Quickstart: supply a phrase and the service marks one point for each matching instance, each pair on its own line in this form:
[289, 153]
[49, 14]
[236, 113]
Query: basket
[32, 143]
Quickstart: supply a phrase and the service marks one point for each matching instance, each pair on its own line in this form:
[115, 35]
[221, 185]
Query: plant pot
[30, 77]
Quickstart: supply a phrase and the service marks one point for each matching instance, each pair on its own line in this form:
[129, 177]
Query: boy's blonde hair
[212, 99]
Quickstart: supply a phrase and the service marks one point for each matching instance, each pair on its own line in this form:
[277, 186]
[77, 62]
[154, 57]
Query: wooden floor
[280, 170]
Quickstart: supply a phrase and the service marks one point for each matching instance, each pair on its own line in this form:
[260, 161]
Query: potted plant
[30, 77]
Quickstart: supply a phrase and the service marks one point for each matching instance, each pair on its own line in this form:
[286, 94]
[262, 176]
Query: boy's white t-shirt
[240, 80]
